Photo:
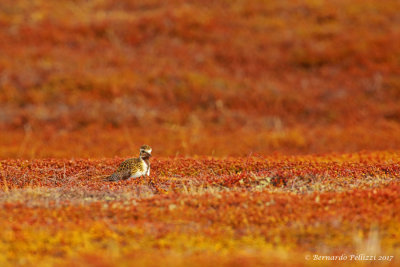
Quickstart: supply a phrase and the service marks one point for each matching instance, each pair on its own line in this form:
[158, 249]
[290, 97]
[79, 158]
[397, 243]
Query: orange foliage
[256, 210]
[247, 83]
[193, 78]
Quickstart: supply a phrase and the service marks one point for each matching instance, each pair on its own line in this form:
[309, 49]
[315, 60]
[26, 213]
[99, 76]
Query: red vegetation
[193, 78]
[247, 83]
[57, 211]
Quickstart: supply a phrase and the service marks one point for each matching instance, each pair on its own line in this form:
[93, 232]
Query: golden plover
[133, 168]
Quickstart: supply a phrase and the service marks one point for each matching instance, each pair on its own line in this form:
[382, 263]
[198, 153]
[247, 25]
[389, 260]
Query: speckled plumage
[134, 167]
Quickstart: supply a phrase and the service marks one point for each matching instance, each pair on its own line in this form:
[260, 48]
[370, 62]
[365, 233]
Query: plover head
[145, 151]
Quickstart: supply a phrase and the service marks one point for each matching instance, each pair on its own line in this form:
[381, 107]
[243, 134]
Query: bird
[133, 167]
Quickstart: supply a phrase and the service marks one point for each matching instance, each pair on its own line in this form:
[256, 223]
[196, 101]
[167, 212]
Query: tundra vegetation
[274, 126]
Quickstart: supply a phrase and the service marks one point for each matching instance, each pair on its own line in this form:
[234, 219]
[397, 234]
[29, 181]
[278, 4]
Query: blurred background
[224, 78]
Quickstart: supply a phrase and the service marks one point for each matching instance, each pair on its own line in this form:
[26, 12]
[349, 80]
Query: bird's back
[133, 164]
[127, 169]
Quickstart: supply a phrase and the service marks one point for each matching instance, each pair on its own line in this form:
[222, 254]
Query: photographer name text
[351, 257]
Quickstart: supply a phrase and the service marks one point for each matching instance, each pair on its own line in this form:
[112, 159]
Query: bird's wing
[119, 175]
[127, 164]
[125, 174]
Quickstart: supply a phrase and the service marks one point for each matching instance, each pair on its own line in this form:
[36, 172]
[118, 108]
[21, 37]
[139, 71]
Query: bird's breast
[141, 170]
